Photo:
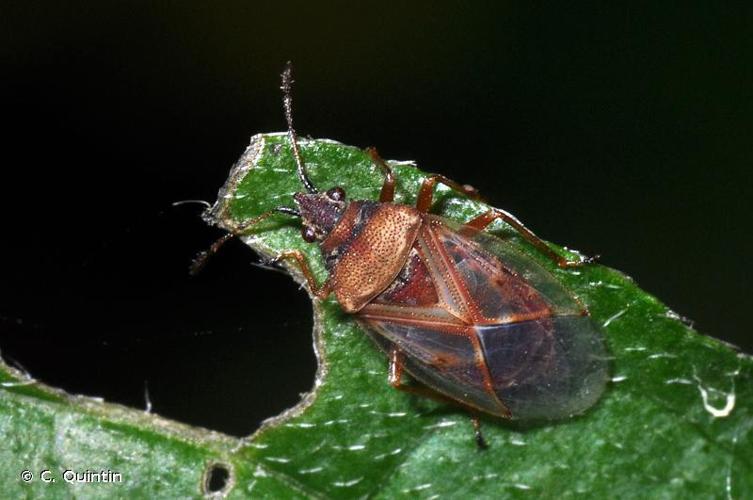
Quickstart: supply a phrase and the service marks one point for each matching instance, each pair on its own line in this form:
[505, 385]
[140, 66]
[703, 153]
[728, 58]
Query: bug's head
[320, 212]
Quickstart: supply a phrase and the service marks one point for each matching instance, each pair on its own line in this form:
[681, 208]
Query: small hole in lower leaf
[216, 478]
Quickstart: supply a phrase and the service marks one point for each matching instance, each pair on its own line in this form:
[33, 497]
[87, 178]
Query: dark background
[618, 130]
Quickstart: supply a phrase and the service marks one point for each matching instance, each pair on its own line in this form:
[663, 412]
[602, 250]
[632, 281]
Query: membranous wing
[490, 328]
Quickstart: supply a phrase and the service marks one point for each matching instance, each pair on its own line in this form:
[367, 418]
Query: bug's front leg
[483, 220]
[319, 291]
[236, 230]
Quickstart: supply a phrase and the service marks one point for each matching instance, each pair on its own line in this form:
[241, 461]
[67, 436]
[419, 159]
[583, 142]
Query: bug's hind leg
[483, 220]
[395, 380]
[424, 201]
[480, 441]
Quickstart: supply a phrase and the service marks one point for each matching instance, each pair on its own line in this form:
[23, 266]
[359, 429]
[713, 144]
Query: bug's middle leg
[395, 372]
[483, 220]
[426, 192]
[395, 379]
[388, 188]
[395, 376]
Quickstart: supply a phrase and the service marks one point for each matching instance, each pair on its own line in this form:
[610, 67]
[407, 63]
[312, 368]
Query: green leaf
[675, 421]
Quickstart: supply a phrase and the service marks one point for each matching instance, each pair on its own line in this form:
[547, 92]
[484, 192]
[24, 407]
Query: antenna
[287, 103]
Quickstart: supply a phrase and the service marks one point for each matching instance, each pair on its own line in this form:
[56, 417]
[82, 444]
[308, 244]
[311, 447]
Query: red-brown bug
[468, 315]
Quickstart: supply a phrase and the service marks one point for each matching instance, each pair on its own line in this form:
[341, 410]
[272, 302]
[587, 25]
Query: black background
[618, 130]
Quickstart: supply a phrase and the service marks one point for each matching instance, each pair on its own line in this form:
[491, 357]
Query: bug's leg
[395, 379]
[480, 441]
[426, 192]
[483, 220]
[388, 188]
[395, 373]
[319, 291]
[202, 257]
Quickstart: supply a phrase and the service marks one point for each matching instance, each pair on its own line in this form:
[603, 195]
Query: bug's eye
[336, 194]
[308, 234]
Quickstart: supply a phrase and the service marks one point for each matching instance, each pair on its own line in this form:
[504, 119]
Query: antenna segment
[287, 103]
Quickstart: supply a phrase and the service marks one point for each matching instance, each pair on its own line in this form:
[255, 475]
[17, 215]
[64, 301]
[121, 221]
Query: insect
[468, 315]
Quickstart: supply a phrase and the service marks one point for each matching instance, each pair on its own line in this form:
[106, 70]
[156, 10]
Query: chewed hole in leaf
[213, 351]
[217, 478]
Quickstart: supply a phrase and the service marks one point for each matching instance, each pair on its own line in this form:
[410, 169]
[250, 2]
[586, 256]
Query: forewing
[491, 328]
[546, 369]
[505, 284]
[449, 363]
[546, 358]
